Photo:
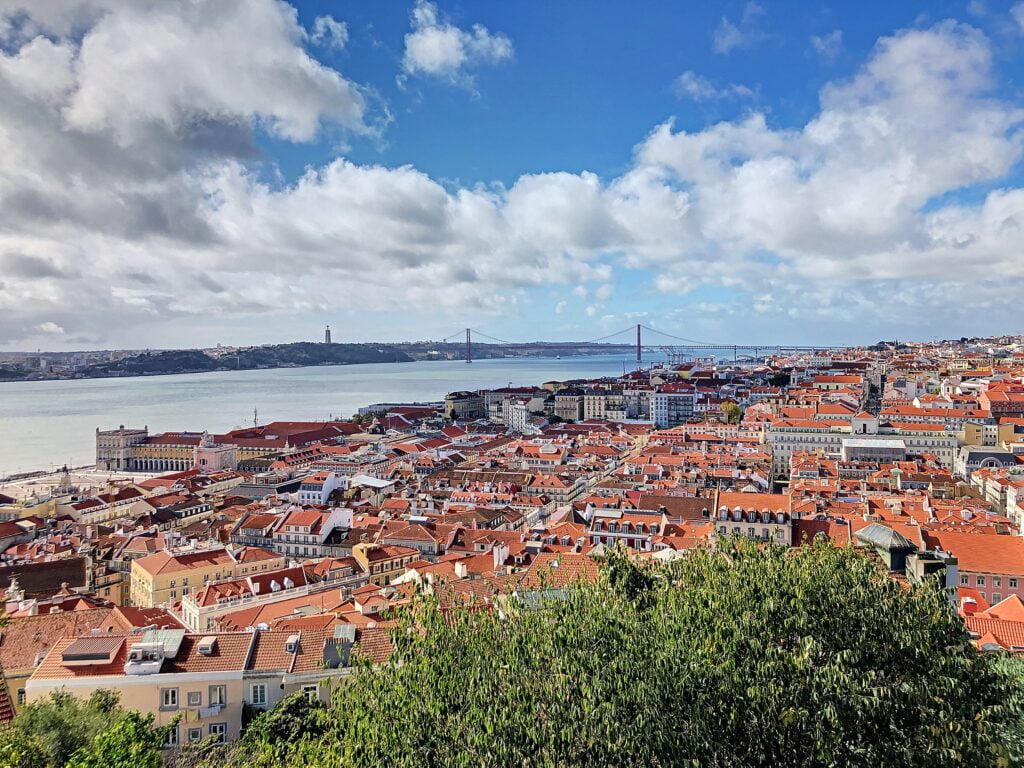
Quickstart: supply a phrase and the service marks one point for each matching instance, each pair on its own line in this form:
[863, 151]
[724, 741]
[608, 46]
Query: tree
[48, 732]
[1012, 730]
[748, 655]
[131, 742]
[731, 412]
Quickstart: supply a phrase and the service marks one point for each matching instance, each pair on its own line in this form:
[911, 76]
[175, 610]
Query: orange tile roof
[1008, 609]
[166, 562]
[22, 640]
[1008, 634]
[981, 552]
[559, 569]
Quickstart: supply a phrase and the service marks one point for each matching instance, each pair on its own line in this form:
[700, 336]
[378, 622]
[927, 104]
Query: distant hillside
[148, 363]
[274, 356]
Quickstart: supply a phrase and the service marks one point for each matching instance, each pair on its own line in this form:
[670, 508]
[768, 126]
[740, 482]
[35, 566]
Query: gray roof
[884, 537]
[874, 442]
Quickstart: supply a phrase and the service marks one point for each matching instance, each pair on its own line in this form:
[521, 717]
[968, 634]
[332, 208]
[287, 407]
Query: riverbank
[63, 367]
[54, 422]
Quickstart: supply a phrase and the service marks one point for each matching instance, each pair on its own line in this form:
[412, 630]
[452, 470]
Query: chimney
[500, 554]
[968, 606]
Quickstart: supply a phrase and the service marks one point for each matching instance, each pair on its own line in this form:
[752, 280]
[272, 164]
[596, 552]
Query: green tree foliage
[131, 742]
[46, 733]
[273, 732]
[1012, 729]
[743, 656]
[731, 412]
[80, 733]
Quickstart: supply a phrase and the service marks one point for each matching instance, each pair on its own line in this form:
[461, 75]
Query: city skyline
[736, 171]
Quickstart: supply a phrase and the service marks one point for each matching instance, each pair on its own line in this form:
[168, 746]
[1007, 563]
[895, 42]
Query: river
[44, 423]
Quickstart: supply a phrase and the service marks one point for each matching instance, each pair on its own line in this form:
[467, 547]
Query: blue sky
[590, 79]
[752, 171]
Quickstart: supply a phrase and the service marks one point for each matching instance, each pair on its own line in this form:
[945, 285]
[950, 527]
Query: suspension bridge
[638, 337]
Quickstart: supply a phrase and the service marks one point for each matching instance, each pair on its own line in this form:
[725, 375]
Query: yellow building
[169, 452]
[383, 563]
[164, 577]
[993, 435]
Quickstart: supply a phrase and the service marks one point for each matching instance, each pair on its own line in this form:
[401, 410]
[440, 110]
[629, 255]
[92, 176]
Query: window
[1013, 583]
[195, 698]
[218, 696]
[964, 581]
[172, 737]
[997, 581]
[996, 597]
[980, 581]
[219, 730]
[174, 593]
[259, 694]
[310, 691]
[21, 696]
[168, 698]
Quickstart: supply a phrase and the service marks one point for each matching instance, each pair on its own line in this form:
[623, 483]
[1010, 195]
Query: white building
[671, 408]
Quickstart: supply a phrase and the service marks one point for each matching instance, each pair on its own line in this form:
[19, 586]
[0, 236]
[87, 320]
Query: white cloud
[560, 307]
[698, 88]
[1017, 14]
[329, 32]
[730, 35]
[844, 195]
[230, 59]
[129, 204]
[439, 49]
[828, 46]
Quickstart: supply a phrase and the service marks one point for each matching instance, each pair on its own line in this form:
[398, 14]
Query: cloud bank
[131, 199]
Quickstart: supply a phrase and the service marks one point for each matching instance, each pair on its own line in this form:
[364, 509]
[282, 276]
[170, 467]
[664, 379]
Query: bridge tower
[639, 352]
[469, 347]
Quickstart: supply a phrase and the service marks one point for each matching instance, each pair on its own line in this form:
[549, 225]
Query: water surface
[44, 423]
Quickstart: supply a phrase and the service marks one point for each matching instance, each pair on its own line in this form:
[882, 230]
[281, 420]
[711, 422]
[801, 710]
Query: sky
[183, 173]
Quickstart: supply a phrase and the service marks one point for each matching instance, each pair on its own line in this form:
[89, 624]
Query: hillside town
[203, 575]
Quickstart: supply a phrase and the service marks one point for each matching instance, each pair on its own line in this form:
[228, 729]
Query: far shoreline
[194, 372]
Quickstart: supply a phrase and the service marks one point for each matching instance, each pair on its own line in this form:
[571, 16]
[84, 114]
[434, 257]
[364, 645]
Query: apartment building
[166, 576]
[318, 487]
[671, 406]
[307, 532]
[383, 563]
[758, 516]
[991, 564]
[203, 680]
[785, 436]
